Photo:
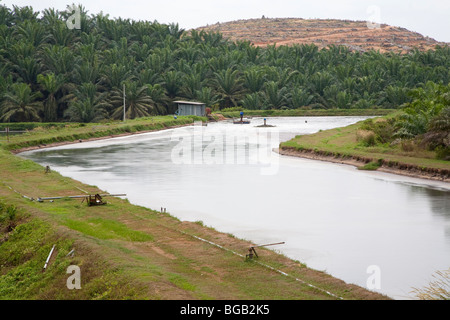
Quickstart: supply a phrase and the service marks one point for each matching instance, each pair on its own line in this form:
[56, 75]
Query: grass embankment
[232, 113]
[41, 135]
[356, 145]
[126, 251]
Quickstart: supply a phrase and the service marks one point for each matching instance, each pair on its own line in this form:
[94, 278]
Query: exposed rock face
[357, 35]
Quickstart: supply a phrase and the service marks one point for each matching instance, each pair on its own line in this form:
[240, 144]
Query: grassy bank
[305, 112]
[42, 134]
[126, 251]
[355, 145]
[25, 243]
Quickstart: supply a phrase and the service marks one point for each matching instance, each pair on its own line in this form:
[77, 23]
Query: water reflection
[439, 202]
[332, 217]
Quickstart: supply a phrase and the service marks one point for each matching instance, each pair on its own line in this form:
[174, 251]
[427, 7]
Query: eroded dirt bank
[385, 165]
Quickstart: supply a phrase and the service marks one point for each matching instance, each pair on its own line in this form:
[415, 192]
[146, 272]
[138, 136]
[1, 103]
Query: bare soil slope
[357, 35]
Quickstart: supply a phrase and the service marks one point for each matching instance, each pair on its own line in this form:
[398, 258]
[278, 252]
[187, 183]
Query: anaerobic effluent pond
[385, 232]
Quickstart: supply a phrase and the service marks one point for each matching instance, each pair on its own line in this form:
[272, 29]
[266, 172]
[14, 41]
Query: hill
[354, 34]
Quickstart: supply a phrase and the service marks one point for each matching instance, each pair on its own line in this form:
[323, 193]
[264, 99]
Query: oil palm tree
[207, 96]
[160, 101]
[300, 97]
[425, 108]
[438, 134]
[113, 75]
[6, 17]
[88, 105]
[51, 84]
[172, 83]
[59, 59]
[61, 35]
[229, 86]
[21, 104]
[319, 81]
[193, 82]
[32, 32]
[27, 69]
[252, 101]
[274, 96]
[175, 31]
[137, 101]
[26, 13]
[254, 79]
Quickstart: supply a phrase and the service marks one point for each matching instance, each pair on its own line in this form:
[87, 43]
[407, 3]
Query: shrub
[407, 145]
[443, 153]
[8, 216]
[366, 137]
[374, 165]
[382, 128]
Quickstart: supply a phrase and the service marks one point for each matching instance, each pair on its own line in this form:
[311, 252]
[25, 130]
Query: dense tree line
[49, 72]
[424, 122]
[427, 118]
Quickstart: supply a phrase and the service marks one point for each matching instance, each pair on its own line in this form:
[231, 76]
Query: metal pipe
[48, 258]
[265, 245]
[82, 196]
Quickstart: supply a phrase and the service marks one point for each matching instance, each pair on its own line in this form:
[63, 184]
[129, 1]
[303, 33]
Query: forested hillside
[49, 72]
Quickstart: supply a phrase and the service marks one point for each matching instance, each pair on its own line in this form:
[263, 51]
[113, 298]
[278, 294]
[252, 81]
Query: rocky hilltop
[357, 35]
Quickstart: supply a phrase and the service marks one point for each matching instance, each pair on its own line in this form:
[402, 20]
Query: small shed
[191, 108]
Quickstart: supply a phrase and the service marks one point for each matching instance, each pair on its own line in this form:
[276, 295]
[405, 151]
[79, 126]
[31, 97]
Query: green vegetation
[416, 137]
[126, 251]
[107, 229]
[424, 123]
[48, 133]
[51, 73]
[235, 112]
[371, 166]
[66, 85]
[7, 216]
[25, 244]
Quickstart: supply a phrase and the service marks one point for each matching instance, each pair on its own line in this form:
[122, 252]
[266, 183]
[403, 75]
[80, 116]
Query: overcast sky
[430, 18]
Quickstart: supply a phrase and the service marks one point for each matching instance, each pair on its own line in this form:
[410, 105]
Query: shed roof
[189, 102]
